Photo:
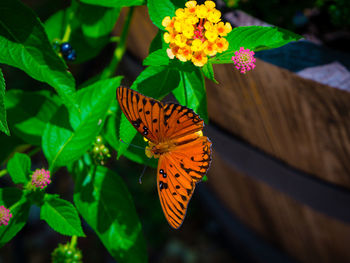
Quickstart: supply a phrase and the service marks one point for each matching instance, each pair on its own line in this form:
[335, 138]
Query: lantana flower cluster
[244, 60]
[196, 32]
[41, 178]
[5, 215]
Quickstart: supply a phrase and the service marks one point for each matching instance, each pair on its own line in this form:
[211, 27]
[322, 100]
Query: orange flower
[221, 44]
[199, 59]
[210, 49]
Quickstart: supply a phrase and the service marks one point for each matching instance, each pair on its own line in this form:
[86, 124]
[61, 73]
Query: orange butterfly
[175, 137]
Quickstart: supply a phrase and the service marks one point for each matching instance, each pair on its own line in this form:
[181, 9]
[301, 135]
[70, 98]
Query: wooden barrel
[302, 128]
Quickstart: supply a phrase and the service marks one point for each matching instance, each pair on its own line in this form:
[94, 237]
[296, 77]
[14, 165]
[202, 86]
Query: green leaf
[29, 112]
[114, 3]
[157, 58]
[13, 199]
[158, 9]
[191, 92]
[66, 139]
[3, 122]
[208, 71]
[90, 25]
[255, 38]
[103, 200]
[157, 42]
[61, 216]
[19, 168]
[26, 46]
[155, 82]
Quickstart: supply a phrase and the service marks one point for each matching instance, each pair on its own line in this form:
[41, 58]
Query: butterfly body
[174, 135]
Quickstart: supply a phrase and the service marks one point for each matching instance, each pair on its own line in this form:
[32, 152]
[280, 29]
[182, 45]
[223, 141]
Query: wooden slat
[293, 227]
[304, 123]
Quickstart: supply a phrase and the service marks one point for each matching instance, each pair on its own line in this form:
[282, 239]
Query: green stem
[34, 151]
[3, 172]
[73, 242]
[120, 49]
[69, 17]
[184, 84]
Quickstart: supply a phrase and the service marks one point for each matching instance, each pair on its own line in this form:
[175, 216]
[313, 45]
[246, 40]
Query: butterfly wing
[180, 121]
[144, 113]
[178, 172]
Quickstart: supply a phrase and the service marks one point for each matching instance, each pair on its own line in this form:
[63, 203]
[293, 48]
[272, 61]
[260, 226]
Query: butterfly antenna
[130, 144]
[143, 172]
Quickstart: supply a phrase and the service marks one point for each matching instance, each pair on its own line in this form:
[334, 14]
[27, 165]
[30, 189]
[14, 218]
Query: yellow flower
[192, 20]
[184, 54]
[180, 13]
[196, 33]
[223, 29]
[209, 48]
[188, 30]
[191, 4]
[210, 5]
[178, 25]
[214, 16]
[169, 38]
[199, 59]
[202, 11]
[197, 45]
[211, 34]
[166, 21]
[180, 40]
[221, 44]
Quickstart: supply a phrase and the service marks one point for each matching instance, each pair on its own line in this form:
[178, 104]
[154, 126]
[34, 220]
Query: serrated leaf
[25, 46]
[66, 138]
[114, 3]
[191, 93]
[255, 38]
[208, 71]
[155, 82]
[29, 112]
[103, 200]
[3, 123]
[19, 168]
[13, 199]
[61, 216]
[91, 26]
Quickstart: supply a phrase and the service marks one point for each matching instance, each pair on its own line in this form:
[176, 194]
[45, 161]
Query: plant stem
[3, 172]
[73, 242]
[69, 18]
[34, 151]
[120, 49]
[184, 84]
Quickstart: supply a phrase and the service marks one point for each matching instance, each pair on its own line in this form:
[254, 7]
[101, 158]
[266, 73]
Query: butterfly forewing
[178, 171]
[144, 113]
[180, 121]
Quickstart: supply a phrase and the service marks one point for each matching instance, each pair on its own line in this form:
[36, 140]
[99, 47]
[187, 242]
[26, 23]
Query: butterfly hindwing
[144, 113]
[177, 174]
